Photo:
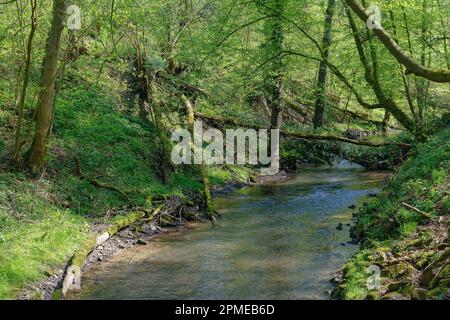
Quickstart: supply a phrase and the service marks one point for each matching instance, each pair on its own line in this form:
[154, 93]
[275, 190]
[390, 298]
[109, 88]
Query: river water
[275, 241]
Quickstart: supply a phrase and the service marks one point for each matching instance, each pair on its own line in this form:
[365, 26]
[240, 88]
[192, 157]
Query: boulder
[399, 271]
[419, 294]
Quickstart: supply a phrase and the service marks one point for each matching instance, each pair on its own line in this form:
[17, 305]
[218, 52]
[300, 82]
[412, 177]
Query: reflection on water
[273, 242]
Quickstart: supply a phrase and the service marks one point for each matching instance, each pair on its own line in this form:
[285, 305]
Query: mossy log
[72, 277]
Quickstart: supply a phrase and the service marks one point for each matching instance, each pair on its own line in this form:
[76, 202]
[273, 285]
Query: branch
[412, 67]
[307, 136]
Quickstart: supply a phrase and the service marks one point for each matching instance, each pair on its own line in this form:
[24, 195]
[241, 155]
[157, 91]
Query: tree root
[96, 183]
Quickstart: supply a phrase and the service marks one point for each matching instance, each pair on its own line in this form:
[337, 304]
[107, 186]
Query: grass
[43, 221]
[36, 235]
[422, 182]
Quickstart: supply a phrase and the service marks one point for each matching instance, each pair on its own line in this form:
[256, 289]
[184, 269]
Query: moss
[79, 256]
[121, 222]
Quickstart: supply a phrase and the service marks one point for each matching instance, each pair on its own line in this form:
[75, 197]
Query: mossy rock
[444, 273]
[422, 260]
[426, 278]
[373, 295]
[444, 283]
[397, 286]
[419, 294]
[438, 293]
[444, 256]
[400, 271]
[393, 296]
[339, 292]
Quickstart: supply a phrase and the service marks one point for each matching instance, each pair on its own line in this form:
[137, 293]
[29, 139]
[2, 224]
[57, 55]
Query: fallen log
[72, 277]
[218, 121]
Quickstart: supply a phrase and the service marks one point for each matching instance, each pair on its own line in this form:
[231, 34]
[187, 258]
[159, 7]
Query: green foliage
[420, 182]
[37, 235]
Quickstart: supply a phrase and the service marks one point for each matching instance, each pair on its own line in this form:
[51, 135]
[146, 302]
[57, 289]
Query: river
[276, 241]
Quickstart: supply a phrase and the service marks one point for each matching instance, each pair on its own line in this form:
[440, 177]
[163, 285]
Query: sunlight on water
[273, 242]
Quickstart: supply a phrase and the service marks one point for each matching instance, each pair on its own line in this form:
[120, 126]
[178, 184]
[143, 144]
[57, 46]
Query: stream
[276, 241]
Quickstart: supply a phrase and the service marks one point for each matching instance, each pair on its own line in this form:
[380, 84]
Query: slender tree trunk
[23, 93]
[36, 153]
[273, 48]
[422, 84]
[372, 77]
[210, 210]
[323, 69]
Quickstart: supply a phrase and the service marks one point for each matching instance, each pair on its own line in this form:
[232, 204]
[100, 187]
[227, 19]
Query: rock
[373, 195]
[426, 277]
[373, 295]
[353, 233]
[443, 273]
[444, 283]
[419, 294]
[393, 296]
[142, 242]
[337, 278]
[352, 207]
[397, 286]
[400, 271]
[99, 258]
[100, 248]
[444, 256]
[338, 293]
[343, 244]
[340, 227]
[389, 255]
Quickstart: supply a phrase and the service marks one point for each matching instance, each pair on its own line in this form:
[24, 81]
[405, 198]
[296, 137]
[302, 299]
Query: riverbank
[405, 232]
[174, 214]
[273, 241]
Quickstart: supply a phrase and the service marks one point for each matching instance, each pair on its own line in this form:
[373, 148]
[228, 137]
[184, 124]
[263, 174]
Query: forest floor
[405, 232]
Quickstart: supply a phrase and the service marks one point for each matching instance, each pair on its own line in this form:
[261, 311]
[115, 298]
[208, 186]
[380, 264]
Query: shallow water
[273, 242]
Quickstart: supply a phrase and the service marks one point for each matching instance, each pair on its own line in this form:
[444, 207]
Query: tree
[323, 69]
[272, 49]
[44, 115]
[26, 79]
[412, 67]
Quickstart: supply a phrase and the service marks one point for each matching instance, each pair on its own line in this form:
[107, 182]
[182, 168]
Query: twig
[424, 214]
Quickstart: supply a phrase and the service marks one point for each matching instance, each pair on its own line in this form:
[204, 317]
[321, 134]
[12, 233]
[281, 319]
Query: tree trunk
[323, 70]
[23, 93]
[36, 153]
[372, 77]
[273, 47]
[210, 210]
